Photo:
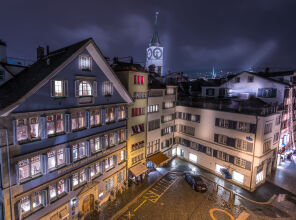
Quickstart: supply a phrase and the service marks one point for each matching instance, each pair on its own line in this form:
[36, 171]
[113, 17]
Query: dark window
[230, 142]
[237, 79]
[216, 137]
[210, 92]
[231, 159]
[250, 78]
[214, 153]
[267, 92]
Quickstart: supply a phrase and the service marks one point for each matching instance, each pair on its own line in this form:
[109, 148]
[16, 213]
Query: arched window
[85, 88]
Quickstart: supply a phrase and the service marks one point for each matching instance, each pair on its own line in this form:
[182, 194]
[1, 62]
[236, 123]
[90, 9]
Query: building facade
[63, 133]
[135, 79]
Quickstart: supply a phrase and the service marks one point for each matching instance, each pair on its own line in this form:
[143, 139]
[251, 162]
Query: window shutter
[68, 155]
[95, 89]
[217, 121]
[87, 172]
[250, 147]
[14, 135]
[52, 90]
[68, 184]
[103, 120]
[66, 88]
[274, 92]
[87, 118]
[115, 159]
[43, 127]
[67, 123]
[44, 164]
[116, 137]
[116, 113]
[87, 148]
[76, 88]
[103, 142]
[260, 92]
[17, 174]
[126, 134]
[44, 197]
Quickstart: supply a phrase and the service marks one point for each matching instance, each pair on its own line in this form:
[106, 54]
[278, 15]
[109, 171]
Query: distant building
[175, 78]
[154, 53]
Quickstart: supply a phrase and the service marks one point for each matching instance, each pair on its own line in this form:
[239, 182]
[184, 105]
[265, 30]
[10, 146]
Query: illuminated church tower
[154, 52]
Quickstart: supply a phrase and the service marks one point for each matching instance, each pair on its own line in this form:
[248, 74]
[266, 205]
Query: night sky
[196, 34]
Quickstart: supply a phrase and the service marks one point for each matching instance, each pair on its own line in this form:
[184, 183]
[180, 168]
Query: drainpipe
[9, 177]
[252, 169]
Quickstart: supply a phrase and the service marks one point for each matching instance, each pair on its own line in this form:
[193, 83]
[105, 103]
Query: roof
[127, 66]
[259, 75]
[155, 84]
[15, 88]
[275, 74]
[155, 38]
[24, 83]
[159, 158]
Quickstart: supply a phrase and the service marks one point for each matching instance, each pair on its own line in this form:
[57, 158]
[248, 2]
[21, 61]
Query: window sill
[87, 70]
[110, 169]
[59, 97]
[110, 122]
[121, 162]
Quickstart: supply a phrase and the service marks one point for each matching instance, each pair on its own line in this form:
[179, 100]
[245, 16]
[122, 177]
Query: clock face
[149, 53]
[157, 53]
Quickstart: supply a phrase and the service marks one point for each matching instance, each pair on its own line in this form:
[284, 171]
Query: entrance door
[88, 204]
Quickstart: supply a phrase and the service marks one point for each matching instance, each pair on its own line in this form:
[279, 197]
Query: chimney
[47, 50]
[40, 53]
[3, 53]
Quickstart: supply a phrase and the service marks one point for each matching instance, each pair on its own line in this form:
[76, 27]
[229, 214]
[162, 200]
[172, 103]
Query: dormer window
[85, 63]
[85, 88]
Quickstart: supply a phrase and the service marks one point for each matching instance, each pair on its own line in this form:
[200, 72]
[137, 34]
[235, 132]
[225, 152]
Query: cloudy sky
[196, 34]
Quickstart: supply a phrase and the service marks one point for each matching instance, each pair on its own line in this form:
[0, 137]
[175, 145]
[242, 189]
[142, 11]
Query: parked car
[225, 173]
[196, 182]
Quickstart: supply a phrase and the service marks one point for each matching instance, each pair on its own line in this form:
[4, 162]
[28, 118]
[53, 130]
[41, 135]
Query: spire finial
[156, 14]
[155, 39]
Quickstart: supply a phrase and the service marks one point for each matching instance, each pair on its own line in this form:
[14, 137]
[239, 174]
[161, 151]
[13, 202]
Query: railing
[232, 106]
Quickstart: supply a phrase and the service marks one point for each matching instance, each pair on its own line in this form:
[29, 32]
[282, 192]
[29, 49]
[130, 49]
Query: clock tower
[154, 53]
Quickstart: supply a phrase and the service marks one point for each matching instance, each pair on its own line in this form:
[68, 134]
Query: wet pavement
[284, 176]
[173, 198]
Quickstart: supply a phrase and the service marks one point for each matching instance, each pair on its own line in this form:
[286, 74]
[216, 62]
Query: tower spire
[155, 38]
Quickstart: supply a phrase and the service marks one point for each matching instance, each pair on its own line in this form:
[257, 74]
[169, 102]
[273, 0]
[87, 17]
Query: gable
[21, 89]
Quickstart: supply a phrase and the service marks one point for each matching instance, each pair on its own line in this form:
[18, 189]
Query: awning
[159, 159]
[138, 169]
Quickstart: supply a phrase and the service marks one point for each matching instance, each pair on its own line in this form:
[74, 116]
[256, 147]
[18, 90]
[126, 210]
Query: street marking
[140, 205]
[129, 215]
[243, 216]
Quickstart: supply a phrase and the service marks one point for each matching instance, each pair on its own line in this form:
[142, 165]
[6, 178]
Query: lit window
[75, 179]
[85, 62]
[50, 125]
[98, 167]
[120, 176]
[58, 88]
[122, 155]
[34, 127]
[121, 113]
[106, 140]
[82, 176]
[92, 171]
[22, 130]
[107, 88]
[81, 120]
[259, 177]
[52, 191]
[82, 150]
[109, 115]
[25, 204]
[51, 157]
[95, 118]
[238, 177]
[60, 157]
[24, 169]
[85, 88]
[111, 139]
[97, 144]
[36, 199]
[75, 152]
[61, 187]
[192, 157]
[35, 165]
[59, 123]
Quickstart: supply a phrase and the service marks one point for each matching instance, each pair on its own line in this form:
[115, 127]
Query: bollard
[215, 187]
[231, 197]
